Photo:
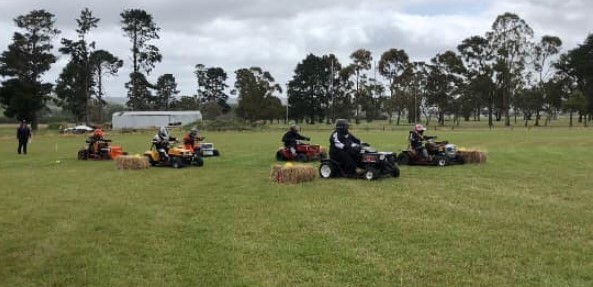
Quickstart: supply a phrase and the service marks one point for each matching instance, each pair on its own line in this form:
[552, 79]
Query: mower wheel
[326, 170]
[279, 156]
[395, 171]
[459, 159]
[370, 174]
[301, 157]
[216, 153]
[403, 159]
[441, 160]
[176, 162]
[198, 161]
[152, 162]
[82, 154]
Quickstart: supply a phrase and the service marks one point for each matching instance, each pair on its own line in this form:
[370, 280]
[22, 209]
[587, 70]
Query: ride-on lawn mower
[100, 150]
[178, 156]
[304, 153]
[439, 154]
[207, 149]
[375, 164]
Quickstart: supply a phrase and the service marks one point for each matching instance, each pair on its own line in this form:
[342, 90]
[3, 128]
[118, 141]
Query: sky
[277, 34]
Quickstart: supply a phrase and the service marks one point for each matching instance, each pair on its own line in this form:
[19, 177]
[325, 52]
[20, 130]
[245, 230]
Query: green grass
[523, 219]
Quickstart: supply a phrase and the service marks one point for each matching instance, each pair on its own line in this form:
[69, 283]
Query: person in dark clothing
[93, 148]
[416, 137]
[161, 142]
[290, 139]
[344, 148]
[23, 134]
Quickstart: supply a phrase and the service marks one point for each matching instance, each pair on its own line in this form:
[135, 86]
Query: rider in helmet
[290, 138]
[92, 140]
[161, 143]
[189, 141]
[344, 147]
[416, 137]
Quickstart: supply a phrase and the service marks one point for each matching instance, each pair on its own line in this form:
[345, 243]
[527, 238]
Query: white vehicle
[207, 149]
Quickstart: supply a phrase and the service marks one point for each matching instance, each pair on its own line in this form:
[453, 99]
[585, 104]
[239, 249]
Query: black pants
[22, 146]
[345, 159]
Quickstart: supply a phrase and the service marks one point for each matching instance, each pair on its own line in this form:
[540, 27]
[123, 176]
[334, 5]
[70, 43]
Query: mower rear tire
[279, 156]
[370, 174]
[441, 160]
[403, 159]
[326, 170]
[301, 157]
[176, 162]
[215, 153]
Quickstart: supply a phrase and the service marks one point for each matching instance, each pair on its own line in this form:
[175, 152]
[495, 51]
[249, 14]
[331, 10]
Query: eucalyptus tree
[23, 93]
[511, 40]
[361, 63]
[212, 87]
[102, 64]
[444, 83]
[140, 27]
[543, 53]
[254, 87]
[477, 54]
[307, 89]
[393, 66]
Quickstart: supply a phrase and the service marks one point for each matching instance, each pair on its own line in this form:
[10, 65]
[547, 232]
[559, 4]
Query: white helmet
[164, 133]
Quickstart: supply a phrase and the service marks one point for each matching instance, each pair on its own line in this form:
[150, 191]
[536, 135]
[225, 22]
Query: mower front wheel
[326, 170]
[279, 156]
[176, 162]
[198, 161]
[441, 160]
[149, 159]
[301, 157]
[370, 174]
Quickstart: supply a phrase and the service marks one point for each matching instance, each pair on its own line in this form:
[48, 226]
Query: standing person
[291, 137]
[23, 134]
[344, 147]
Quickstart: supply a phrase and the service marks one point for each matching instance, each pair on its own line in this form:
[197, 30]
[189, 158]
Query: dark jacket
[415, 139]
[23, 134]
[342, 141]
[290, 138]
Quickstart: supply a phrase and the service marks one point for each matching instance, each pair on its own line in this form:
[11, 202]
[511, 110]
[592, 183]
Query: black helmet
[193, 133]
[342, 124]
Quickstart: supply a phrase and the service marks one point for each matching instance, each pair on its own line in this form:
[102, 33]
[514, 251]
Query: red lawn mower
[305, 152]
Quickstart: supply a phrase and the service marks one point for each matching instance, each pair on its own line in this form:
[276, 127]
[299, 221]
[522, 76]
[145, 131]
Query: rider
[343, 148]
[290, 138]
[189, 141]
[161, 143]
[416, 137]
[96, 137]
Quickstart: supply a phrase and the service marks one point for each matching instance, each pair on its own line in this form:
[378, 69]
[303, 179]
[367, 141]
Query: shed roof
[155, 113]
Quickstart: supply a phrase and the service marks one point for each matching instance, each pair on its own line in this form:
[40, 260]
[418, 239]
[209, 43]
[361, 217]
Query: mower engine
[451, 150]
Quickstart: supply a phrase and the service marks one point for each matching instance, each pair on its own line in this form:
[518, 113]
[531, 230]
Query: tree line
[503, 75]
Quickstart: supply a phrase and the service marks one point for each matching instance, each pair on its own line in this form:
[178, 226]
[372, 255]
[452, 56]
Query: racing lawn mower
[439, 154]
[304, 153]
[178, 157]
[100, 150]
[375, 165]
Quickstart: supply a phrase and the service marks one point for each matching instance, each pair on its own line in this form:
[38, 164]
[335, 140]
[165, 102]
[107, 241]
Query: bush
[56, 126]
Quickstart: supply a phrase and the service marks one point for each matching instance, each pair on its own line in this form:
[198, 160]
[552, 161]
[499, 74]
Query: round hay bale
[473, 156]
[293, 173]
[131, 162]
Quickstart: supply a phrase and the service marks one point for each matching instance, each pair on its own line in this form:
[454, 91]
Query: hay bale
[473, 156]
[293, 173]
[131, 162]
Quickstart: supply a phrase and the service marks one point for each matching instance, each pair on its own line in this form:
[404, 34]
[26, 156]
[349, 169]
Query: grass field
[523, 219]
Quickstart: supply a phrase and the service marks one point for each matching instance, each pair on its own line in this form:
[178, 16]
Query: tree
[254, 87]
[166, 89]
[186, 103]
[444, 83]
[477, 54]
[212, 86]
[308, 88]
[393, 65]
[511, 40]
[141, 29]
[23, 94]
[577, 65]
[76, 88]
[361, 62]
[548, 47]
[102, 64]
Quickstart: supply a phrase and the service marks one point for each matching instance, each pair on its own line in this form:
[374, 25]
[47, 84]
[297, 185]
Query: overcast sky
[277, 34]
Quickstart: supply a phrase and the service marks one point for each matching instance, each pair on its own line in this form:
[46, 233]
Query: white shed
[153, 119]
